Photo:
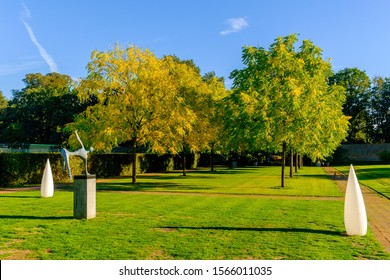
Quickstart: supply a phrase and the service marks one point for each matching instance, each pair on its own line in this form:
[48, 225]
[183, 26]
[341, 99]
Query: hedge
[18, 169]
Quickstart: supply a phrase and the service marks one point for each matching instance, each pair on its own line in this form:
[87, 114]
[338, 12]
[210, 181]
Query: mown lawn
[175, 223]
[309, 181]
[376, 177]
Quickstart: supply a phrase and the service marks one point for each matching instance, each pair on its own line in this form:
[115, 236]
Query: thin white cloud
[26, 14]
[9, 69]
[236, 25]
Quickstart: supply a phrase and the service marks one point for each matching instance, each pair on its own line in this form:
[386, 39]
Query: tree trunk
[301, 161]
[184, 163]
[296, 162]
[283, 163]
[291, 163]
[212, 159]
[134, 170]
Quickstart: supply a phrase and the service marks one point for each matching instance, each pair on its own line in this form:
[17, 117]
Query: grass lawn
[376, 177]
[203, 216]
[310, 181]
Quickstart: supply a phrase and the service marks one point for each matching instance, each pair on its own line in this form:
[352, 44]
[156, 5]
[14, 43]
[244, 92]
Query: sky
[42, 36]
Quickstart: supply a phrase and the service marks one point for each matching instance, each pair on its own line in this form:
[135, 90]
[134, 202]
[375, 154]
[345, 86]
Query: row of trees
[368, 104]
[38, 113]
[285, 99]
[163, 104]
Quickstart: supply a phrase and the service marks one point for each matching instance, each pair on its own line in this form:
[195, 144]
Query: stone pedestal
[84, 197]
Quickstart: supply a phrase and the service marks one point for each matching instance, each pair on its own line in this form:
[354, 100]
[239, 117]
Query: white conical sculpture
[47, 184]
[355, 217]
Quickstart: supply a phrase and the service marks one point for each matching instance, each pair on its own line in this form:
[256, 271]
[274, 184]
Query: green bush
[157, 163]
[110, 165]
[18, 169]
[192, 160]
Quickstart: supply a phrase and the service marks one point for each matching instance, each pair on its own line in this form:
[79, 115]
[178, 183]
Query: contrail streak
[44, 54]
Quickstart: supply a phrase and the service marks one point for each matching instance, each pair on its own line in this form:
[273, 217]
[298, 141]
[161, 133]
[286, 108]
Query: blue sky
[44, 36]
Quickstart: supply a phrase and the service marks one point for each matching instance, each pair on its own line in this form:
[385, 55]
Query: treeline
[285, 100]
[368, 105]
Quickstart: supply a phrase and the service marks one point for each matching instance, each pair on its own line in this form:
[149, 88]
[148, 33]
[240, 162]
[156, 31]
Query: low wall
[362, 153]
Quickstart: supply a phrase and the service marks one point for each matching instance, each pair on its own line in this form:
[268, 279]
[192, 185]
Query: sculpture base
[84, 197]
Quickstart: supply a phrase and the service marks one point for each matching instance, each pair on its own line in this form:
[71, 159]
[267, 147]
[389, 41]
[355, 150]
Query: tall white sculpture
[355, 216]
[47, 183]
[83, 153]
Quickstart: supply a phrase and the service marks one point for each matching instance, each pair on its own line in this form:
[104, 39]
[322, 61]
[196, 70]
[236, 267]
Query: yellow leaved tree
[134, 97]
[195, 104]
[159, 103]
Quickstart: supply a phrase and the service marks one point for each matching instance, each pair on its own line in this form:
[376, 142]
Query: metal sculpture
[83, 153]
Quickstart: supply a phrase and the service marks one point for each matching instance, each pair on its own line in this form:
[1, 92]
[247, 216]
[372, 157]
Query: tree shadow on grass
[19, 196]
[317, 176]
[202, 173]
[146, 186]
[28, 217]
[236, 170]
[303, 230]
[374, 173]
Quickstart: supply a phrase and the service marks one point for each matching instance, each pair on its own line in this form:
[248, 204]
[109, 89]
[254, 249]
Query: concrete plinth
[84, 197]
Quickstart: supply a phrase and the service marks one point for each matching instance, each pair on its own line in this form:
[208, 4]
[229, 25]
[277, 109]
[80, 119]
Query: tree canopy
[196, 97]
[3, 106]
[3, 101]
[357, 86]
[285, 98]
[281, 100]
[379, 112]
[143, 100]
[38, 112]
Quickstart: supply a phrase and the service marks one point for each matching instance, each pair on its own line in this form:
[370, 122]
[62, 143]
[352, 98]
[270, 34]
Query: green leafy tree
[38, 112]
[3, 101]
[380, 110]
[3, 106]
[281, 101]
[357, 85]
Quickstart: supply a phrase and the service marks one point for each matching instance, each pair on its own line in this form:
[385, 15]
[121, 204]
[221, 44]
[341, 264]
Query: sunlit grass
[310, 181]
[179, 224]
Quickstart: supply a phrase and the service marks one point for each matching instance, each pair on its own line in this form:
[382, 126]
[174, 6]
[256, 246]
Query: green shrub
[157, 163]
[18, 169]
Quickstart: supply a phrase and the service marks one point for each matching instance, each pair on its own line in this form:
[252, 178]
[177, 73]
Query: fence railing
[29, 148]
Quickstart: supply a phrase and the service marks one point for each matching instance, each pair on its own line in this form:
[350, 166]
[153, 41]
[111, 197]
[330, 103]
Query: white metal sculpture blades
[83, 153]
[355, 216]
[47, 183]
